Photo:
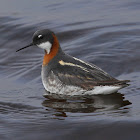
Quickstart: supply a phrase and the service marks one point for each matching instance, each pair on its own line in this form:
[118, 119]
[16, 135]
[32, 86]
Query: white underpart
[46, 46]
[55, 86]
[61, 62]
[103, 90]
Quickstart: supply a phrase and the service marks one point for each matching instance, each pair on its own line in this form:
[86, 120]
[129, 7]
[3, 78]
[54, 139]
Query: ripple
[105, 33]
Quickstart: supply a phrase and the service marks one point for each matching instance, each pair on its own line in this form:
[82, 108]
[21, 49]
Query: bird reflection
[84, 104]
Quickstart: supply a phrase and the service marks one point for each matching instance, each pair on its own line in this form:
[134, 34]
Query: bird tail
[123, 83]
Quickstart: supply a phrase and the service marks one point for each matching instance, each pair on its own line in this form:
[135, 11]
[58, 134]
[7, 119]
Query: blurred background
[103, 32]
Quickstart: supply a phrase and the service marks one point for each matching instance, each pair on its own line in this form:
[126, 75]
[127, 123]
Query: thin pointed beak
[25, 47]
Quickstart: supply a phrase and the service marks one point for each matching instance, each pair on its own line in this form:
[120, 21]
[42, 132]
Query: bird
[67, 75]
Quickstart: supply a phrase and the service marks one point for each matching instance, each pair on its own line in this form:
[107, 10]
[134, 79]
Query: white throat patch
[46, 46]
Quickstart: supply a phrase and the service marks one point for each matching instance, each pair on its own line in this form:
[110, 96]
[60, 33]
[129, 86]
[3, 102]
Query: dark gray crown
[42, 36]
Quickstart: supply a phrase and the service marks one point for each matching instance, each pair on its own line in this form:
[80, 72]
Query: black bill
[25, 47]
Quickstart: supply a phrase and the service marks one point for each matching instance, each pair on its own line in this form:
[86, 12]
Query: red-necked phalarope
[64, 74]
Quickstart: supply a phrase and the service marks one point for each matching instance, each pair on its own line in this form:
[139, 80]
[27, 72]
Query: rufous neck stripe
[53, 51]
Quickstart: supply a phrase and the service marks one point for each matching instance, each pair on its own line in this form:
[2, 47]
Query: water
[107, 33]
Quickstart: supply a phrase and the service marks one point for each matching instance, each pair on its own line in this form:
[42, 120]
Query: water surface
[107, 33]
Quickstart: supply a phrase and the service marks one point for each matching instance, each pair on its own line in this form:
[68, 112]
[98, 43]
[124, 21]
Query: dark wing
[79, 73]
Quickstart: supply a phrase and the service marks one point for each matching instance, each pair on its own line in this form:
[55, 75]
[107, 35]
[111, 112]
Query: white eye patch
[39, 36]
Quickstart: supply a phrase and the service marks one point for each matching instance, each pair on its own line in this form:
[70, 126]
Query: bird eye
[40, 36]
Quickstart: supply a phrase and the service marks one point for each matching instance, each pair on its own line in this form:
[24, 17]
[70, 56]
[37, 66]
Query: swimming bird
[64, 74]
